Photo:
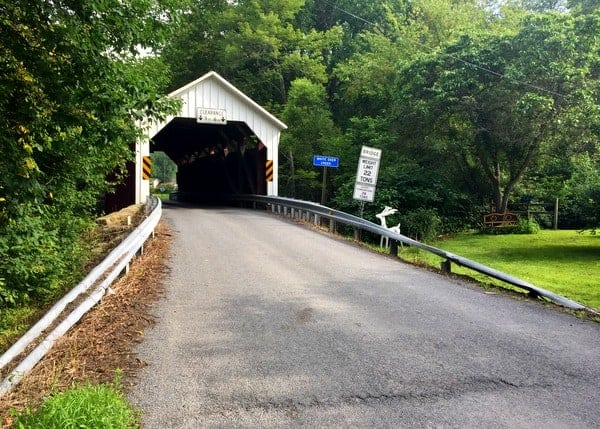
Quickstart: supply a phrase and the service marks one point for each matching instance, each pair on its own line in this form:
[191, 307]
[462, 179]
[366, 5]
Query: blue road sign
[326, 161]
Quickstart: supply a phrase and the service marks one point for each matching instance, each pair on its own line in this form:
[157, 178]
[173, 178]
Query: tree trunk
[497, 188]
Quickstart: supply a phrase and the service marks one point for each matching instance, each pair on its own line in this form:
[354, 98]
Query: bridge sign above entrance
[211, 116]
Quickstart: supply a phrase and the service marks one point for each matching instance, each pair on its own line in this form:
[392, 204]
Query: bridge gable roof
[212, 91]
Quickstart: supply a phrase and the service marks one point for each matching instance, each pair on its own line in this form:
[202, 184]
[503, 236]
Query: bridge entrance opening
[213, 161]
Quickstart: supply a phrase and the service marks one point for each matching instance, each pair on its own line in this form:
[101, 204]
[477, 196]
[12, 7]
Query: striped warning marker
[146, 168]
[269, 170]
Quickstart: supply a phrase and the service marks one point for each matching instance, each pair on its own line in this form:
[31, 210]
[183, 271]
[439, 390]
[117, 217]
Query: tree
[311, 132]
[253, 44]
[580, 196]
[72, 86]
[163, 167]
[494, 104]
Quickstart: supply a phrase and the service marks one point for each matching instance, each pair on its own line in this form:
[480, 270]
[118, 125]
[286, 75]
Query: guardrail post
[393, 247]
[446, 266]
[332, 225]
[357, 234]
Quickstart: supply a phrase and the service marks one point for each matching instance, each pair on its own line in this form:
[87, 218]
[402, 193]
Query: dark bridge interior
[214, 161]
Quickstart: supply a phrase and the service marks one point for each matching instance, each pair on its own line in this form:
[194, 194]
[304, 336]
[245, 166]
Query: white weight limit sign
[366, 174]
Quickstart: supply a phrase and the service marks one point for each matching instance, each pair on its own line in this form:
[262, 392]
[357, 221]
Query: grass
[564, 262]
[88, 406]
[163, 197]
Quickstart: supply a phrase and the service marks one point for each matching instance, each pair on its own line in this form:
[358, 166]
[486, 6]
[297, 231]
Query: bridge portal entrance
[213, 161]
[221, 140]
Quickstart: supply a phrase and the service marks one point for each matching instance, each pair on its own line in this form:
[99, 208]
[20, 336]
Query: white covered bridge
[222, 141]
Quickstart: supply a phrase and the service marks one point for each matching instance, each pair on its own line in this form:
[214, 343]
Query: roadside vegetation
[100, 406]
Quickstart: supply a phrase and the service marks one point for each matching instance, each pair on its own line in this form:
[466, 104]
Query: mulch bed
[103, 341]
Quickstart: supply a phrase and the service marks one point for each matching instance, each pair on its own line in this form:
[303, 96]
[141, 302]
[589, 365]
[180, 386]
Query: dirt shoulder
[104, 340]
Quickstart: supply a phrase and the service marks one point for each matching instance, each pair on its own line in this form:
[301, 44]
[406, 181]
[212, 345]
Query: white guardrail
[108, 270]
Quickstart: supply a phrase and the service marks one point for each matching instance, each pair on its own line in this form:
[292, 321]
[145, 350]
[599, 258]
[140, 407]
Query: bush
[421, 224]
[41, 254]
[90, 406]
[527, 226]
[580, 202]
[164, 188]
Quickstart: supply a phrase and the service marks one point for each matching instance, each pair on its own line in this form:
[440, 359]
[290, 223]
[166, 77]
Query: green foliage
[580, 203]
[88, 406]
[163, 188]
[163, 168]
[527, 226]
[489, 104]
[13, 323]
[72, 89]
[41, 253]
[311, 132]
[421, 224]
[252, 44]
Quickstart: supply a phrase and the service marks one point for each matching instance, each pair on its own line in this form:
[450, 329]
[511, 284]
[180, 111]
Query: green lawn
[564, 262]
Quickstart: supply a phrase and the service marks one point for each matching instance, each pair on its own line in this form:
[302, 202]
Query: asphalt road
[270, 324]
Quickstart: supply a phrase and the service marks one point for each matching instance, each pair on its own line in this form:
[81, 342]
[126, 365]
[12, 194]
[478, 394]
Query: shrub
[421, 224]
[41, 253]
[527, 226]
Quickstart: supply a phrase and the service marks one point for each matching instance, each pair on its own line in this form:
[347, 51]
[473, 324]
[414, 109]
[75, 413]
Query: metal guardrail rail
[105, 273]
[283, 205]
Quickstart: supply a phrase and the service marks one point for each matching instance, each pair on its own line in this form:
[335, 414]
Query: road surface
[267, 323]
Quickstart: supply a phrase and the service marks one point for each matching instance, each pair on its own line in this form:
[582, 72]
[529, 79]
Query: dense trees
[311, 132]
[72, 88]
[254, 44]
[495, 106]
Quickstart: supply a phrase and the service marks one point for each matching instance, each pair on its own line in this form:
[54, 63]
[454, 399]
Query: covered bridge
[221, 140]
